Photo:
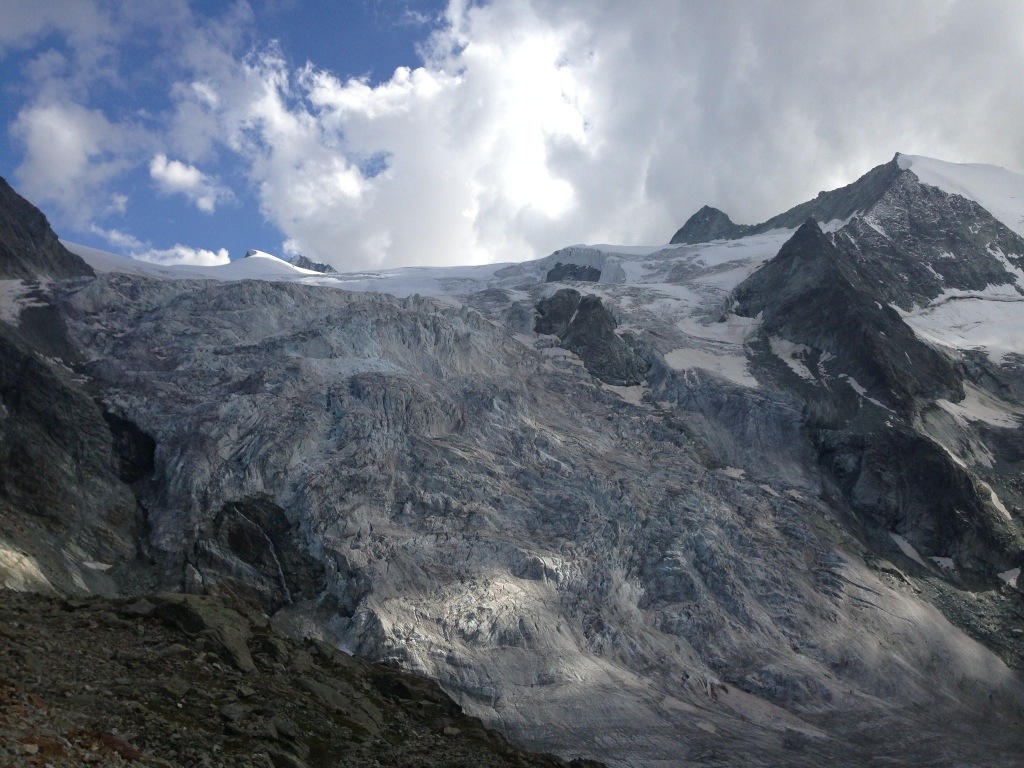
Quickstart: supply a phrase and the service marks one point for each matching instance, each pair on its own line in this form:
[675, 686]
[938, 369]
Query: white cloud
[25, 21]
[71, 155]
[536, 123]
[130, 245]
[182, 254]
[174, 176]
[446, 163]
[124, 242]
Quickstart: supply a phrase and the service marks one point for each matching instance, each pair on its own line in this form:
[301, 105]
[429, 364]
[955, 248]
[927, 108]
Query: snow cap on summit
[999, 191]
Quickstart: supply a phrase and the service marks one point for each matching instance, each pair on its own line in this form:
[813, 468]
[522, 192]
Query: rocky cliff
[28, 247]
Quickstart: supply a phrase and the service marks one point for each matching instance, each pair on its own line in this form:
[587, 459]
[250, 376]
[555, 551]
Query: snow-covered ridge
[258, 265]
[679, 292]
[676, 290]
[997, 190]
[715, 267]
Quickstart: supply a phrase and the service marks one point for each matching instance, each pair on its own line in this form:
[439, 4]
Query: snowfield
[681, 291]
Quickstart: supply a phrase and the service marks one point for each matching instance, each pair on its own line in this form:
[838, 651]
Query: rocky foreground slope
[751, 500]
[178, 680]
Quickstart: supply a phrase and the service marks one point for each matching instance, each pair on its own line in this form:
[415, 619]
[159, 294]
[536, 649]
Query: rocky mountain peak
[707, 224]
[917, 241]
[813, 294]
[835, 205]
[303, 262]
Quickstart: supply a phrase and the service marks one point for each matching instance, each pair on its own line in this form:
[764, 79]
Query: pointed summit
[708, 224]
[836, 205]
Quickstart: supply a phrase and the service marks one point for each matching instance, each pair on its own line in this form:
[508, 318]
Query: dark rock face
[316, 266]
[61, 479]
[812, 294]
[901, 481]
[555, 313]
[135, 450]
[579, 272]
[711, 224]
[895, 478]
[917, 241]
[29, 249]
[252, 552]
[586, 327]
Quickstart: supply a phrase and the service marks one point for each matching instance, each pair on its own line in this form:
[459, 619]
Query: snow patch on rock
[997, 190]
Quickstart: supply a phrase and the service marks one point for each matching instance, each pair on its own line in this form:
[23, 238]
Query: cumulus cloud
[532, 124]
[71, 153]
[130, 245]
[446, 163]
[174, 176]
[27, 22]
[183, 254]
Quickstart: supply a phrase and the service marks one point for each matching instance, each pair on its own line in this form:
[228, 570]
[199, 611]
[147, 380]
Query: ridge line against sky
[381, 134]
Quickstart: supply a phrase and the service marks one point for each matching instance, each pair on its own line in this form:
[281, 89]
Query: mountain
[753, 499]
[182, 679]
[837, 205]
[300, 262]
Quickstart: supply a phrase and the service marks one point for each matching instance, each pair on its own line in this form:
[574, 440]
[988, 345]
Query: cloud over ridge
[531, 124]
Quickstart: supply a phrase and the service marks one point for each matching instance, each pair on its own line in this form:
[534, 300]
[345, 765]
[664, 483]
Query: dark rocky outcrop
[893, 477]
[710, 224]
[29, 249]
[903, 482]
[812, 294]
[135, 450]
[918, 241]
[250, 551]
[585, 326]
[62, 475]
[304, 262]
[580, 272]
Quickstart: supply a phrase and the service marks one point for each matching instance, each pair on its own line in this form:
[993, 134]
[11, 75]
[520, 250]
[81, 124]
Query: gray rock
[583, 273]
[194, 614]
[585, 326]
[838, 204]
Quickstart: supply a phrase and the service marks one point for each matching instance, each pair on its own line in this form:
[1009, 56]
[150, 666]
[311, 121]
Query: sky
[383, 133]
